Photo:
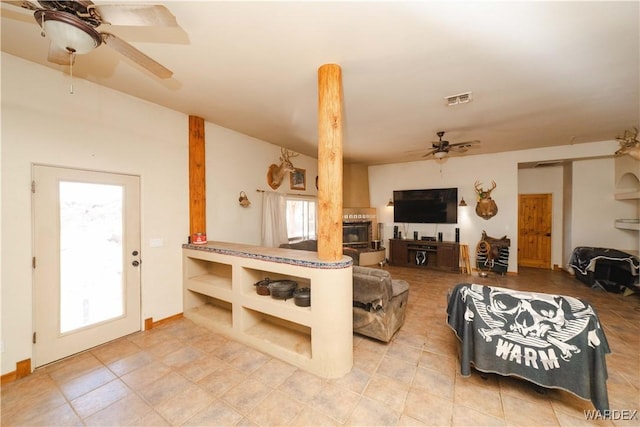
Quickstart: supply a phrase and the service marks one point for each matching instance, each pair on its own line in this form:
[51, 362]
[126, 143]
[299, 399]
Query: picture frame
[298, 179]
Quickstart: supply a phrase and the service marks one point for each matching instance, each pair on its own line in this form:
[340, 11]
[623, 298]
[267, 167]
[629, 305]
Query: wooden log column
[330, 162]
[197, 177]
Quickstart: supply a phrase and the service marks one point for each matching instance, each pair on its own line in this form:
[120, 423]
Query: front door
[86, 260]
[534, 230]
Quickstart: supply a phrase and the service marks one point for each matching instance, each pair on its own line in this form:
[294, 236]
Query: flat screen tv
[430, 206]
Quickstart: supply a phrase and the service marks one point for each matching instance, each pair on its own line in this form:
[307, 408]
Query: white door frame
[49, 343]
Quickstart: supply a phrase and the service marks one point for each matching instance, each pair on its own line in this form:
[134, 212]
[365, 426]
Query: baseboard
[8, 378]
[23, 368]
[150, 324]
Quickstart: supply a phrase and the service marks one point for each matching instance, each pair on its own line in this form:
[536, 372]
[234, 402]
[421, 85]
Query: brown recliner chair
[379, 303]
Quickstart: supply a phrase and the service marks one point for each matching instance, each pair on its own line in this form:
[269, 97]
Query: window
[301, 219]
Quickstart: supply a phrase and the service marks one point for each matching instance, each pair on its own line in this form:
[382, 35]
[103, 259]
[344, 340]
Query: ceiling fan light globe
[440, 154]
[68, 37]
[68, 32]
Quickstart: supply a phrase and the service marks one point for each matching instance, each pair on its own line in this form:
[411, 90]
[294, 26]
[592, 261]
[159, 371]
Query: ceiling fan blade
[24, 4]
[60, 56]
[431, 152]
[475, 141]
[458, 146]
[136, 56]
[443, 147]
[460, 149]
[420, 150]
[136, 15]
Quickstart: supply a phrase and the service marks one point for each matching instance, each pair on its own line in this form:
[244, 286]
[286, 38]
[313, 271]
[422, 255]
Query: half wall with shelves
[219, 293]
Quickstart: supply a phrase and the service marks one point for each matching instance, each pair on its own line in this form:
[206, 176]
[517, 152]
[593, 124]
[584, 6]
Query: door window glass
[91, 254]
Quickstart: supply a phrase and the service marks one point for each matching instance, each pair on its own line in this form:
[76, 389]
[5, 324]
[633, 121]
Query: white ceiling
[541, 73]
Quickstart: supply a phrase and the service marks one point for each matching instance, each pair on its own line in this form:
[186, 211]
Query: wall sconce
[390, 203]
[462, 202]
[244, 200]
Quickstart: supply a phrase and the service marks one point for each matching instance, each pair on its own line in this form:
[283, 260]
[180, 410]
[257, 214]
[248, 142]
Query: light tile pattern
[182, 374]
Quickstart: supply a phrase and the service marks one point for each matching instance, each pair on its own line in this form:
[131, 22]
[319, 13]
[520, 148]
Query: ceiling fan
[72, 28]
[441, 148]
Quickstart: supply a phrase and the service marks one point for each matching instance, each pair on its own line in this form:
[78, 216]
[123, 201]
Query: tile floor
[183, 374]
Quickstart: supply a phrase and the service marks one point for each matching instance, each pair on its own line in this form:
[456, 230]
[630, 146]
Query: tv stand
[443, 256]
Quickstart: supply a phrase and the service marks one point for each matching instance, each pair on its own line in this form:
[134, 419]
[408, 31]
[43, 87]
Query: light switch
[156, 243]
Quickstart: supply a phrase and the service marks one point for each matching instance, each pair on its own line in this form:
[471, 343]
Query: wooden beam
[197, 177]
[330, 162]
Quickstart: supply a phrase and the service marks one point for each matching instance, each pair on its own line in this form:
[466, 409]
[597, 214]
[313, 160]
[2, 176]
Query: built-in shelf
[286, 309]
[274, 331]
[628, 224]
[219, 293]
[214, 314]
[627, 184]
[631, 195]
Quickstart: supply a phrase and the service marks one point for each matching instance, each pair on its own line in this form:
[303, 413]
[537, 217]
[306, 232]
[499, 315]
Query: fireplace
[358, 225]
[357, 234]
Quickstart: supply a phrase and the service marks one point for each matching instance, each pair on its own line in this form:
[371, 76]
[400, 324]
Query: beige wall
[355, 182]
[237, 162]
[97, 129]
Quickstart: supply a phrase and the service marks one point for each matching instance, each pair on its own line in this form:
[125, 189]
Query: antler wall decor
[276, 173]
[629, 143]
[486, 208]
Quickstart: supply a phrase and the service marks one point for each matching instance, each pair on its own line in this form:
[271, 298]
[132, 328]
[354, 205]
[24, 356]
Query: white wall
[98, 129]
[547, 180]
[463, 171]
[237, 162]
[595, 208]
[383, 179]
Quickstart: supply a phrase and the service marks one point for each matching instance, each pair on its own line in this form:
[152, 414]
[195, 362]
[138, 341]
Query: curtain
[274, 219]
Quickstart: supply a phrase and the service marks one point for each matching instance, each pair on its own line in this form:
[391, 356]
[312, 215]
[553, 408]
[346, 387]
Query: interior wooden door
[534, 230]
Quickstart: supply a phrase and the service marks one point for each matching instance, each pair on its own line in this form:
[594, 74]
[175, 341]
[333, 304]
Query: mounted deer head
[485, 208]
[276, 173]
[629, 144]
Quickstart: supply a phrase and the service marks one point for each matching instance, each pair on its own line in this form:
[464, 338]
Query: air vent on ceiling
[461, 98]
